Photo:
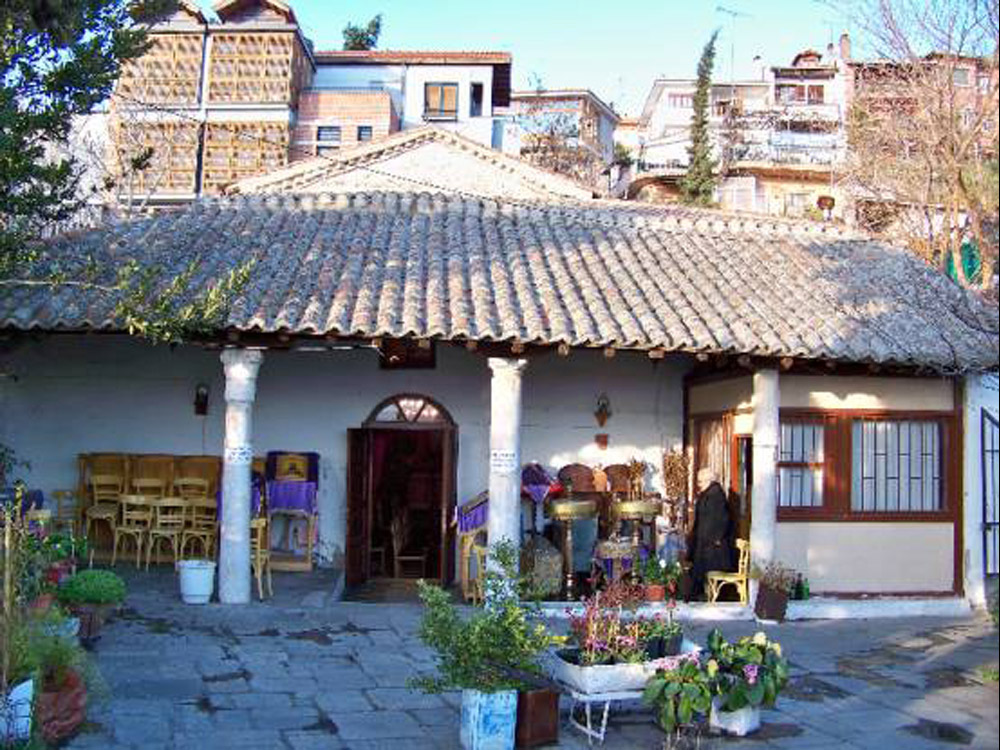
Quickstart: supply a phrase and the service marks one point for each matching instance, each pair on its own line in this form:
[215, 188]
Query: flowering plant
[661, 573]
[775, 576]
[660, 626]
[750, 672]
[679, 692]
[603, 634]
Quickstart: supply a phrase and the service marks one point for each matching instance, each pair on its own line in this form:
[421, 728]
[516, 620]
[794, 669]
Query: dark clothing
[712, 538]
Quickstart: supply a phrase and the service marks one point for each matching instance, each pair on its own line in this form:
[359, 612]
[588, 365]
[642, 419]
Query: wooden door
[357, 555]
[449, 462]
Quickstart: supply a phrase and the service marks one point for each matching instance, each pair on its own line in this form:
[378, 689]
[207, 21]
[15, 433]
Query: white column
[505, 450]
[978, 392]
[241, 366]
[766, 435]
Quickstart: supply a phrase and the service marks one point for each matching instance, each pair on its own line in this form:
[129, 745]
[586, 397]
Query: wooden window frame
[838, 469]
[823, 465]
[440, 114]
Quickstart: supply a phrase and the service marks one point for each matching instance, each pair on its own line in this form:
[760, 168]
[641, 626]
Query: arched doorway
[401, 491]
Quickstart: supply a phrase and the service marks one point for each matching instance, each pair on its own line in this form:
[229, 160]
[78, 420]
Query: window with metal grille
[441, 101]
[328, 134]
[895, 466]
[801, 465]
[364, 133]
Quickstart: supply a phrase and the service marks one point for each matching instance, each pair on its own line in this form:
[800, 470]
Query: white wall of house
[480, 128]
[72, 394]
[981, 392]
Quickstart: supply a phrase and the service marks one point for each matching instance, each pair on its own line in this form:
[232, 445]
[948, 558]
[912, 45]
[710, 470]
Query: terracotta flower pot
[537, 718]
[655, 592]
[771, 604]
[92, 617]
[42, 603]
[59, 712]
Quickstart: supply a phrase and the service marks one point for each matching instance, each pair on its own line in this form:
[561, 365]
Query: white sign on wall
[503, 462]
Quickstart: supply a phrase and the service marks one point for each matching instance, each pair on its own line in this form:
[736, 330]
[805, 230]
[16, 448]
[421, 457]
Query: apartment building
[776, 138]
[215, 101]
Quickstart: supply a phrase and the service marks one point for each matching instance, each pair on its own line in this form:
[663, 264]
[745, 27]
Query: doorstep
[686, 612]
[877, 607]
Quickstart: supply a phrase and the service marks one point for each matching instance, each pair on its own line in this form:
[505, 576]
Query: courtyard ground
[304, 671]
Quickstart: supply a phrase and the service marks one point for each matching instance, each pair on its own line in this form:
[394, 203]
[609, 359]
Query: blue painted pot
[488, 720]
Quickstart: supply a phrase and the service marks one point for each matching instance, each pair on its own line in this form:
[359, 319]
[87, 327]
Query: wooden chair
[65, 516]
[260, 554]
[105, 493]
[208, 468]
[479, 554]
[201, 524]
[136, 520]
[169, 517]
[401, 553]
[149, 487]
[740, 579]
[41, 517]
[191, 488]
[577, 476]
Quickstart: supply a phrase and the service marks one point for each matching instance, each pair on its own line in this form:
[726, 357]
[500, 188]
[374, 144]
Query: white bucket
[197, 580]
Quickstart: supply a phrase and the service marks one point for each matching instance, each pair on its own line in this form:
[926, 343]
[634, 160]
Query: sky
[615, 48]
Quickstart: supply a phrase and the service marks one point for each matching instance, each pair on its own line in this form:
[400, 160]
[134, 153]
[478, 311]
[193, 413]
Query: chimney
[845, 47]
[829, 53]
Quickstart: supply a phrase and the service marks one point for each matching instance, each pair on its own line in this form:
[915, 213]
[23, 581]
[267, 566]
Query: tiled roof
[425, 158]
[602, 274]
[408, 57]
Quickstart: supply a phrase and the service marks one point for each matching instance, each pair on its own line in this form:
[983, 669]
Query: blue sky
[615, 48]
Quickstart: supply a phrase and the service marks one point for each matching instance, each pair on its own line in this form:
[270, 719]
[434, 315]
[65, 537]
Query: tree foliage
[363, 37]
[58, 61]
[698, 184]
[922, 130]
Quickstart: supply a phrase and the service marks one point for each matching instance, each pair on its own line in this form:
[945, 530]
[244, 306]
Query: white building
[482, 333]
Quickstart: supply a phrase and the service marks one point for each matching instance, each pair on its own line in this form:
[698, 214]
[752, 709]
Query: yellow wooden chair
[169, 517]
[260, 554]
[136, 520]
[65, 515]
[740, 579]
[201, 524]
[479, 554]
[149, 487]
[105, 493]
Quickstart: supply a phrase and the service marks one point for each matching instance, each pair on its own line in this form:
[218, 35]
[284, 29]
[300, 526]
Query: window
[968, 118]
[815, 94]
[329, 134]
[800, 465]
[680, 101]
[895, 466]
[364, 133]
[961, 77]
[984, 84]
[441, 101]
[327, 150]
[476, 100]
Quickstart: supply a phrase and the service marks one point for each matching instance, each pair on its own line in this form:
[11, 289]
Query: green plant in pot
[490, 655]
[744, 676]
[775, 584]
[679, 693]
[91, 595]
[61, 704]
[659, 578]
[662, 635]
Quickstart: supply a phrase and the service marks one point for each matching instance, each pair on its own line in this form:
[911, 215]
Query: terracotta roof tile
[590, 274]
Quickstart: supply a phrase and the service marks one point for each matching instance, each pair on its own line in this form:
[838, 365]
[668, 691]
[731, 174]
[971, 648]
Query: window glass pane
[364, 133]
[896, 466]
[432, 97]
[328, 133]
[800, 478]
[449, 98]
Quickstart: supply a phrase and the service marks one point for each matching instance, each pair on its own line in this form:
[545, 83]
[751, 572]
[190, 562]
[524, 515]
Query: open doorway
[401, 493]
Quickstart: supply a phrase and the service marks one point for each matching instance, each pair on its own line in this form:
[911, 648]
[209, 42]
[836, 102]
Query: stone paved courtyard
[303, 671]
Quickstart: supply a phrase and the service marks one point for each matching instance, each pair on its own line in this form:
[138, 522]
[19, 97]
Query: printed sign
[503, 462]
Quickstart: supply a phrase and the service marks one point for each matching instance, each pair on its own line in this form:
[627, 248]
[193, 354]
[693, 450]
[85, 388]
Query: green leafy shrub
[750, 672]
[495, 649]
[679, 694]
[93, 587]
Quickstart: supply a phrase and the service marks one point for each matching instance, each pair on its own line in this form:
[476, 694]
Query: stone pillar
[505, 450]
[766, 437]
[241, 366]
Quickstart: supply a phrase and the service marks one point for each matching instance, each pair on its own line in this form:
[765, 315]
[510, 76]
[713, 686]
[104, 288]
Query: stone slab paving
[304, 671]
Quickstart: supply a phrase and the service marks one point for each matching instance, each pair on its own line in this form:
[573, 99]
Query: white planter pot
[197, 580]
[488, 720]
[15, 712]
[610, 678]
[738, 723]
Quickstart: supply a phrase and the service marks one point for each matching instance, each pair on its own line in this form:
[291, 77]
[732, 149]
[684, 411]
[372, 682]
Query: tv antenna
[733, 15]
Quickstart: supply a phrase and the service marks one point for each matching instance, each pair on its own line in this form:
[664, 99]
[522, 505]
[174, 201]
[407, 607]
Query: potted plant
[62, 552]
[775, 584]
[744, 676]
[662, 636]
[91, 595]
[659, 578]
[61, 705]
[679, 692]
[18, 689]
[489, 656]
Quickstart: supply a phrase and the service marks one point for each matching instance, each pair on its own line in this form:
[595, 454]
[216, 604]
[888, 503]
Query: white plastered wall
[980, 392]
[73, 394]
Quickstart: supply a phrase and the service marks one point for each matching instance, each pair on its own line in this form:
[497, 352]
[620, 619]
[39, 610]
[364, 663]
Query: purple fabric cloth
[297, 496]
[536, 482]
[312, 461]
[473, 519]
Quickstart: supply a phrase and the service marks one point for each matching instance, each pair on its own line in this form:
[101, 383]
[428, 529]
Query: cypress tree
[698, 185]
